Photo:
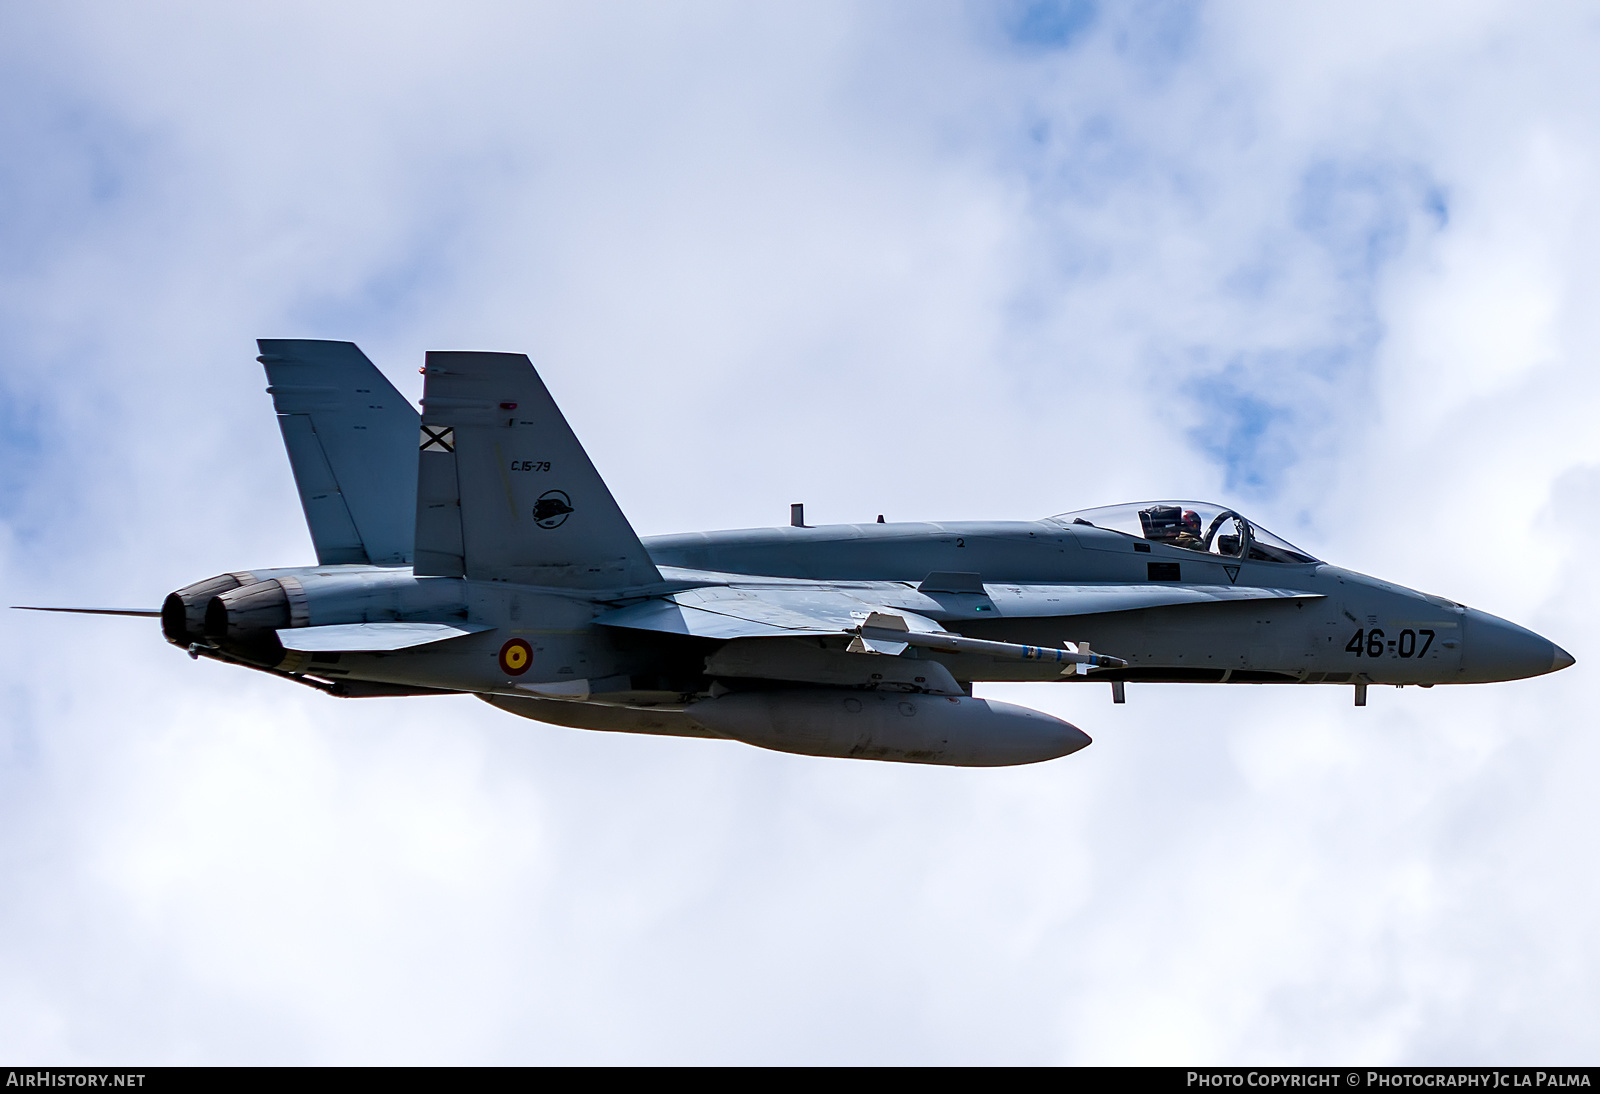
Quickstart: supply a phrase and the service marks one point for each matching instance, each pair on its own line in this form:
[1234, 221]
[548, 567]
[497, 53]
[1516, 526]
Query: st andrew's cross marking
[438, 438]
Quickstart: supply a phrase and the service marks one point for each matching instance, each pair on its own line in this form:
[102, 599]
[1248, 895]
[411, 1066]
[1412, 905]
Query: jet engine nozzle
[248, 612]
[183, 613]
[872, 725]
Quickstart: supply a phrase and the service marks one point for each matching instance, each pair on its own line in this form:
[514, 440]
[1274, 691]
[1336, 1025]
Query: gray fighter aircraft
[477, 550]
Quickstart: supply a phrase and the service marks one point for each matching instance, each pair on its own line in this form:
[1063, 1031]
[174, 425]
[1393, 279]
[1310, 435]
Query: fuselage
[1323, 624]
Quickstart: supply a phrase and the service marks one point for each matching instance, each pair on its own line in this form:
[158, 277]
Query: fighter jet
[474, 549]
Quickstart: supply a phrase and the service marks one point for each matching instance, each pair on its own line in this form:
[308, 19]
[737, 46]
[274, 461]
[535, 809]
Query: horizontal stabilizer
[90, 611]
[372, 637]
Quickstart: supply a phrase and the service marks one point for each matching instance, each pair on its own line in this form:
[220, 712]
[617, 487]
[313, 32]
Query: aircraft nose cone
[1497, 649]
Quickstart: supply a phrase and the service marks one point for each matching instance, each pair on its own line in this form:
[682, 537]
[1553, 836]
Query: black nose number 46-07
[1372, 643]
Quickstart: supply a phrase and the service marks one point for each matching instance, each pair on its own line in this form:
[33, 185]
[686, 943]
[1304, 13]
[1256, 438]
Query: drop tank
[951, 730]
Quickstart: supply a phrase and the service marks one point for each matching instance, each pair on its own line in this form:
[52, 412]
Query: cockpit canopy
[1192, 525]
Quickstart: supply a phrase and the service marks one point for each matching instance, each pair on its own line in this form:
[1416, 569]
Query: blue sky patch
[1250, 437]
[21, 446]
[68, 173]
[392, 296]
[1362, 213]
[1049, 24]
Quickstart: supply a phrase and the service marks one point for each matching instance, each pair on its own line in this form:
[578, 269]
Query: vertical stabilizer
[506, 492]
[350, 435]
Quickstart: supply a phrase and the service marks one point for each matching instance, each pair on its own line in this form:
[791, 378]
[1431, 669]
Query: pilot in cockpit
[1189, 532]
[1171, 524]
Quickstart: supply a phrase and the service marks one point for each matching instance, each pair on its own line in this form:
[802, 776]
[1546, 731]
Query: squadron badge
[552, 509]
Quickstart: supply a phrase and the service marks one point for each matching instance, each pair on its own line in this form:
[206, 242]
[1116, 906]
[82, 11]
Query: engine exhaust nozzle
[247, 613]
[183, 613]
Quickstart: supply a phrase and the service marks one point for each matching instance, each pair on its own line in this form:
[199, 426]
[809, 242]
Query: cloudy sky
[1333, 264]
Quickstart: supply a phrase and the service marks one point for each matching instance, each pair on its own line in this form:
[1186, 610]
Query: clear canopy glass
[1201, 526]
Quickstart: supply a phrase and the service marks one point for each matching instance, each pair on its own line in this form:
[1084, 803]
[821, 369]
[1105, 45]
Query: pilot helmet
[1191, 522]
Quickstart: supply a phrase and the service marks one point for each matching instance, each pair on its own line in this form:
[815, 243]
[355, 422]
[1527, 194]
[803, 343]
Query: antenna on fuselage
[797, 515]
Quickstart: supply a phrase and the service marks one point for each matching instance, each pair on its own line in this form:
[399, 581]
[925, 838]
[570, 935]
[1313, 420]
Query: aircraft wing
[728, 612]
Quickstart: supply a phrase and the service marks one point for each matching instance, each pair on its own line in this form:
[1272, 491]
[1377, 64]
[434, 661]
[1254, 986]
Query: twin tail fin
[349, 434]
[495, 487]
[504, 490]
